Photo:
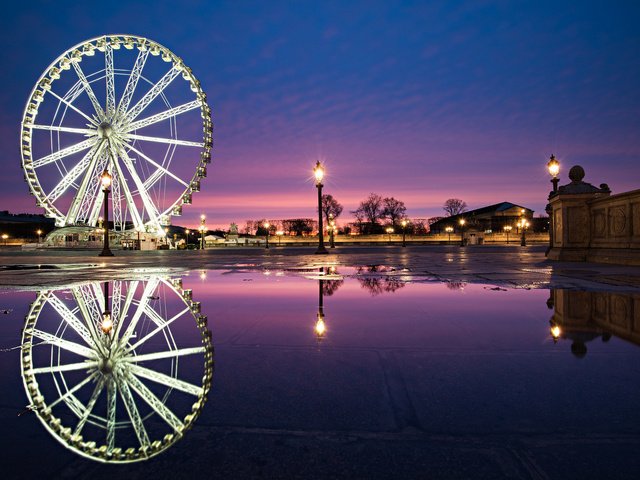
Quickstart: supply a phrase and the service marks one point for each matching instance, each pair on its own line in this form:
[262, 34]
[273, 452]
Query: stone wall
[589, 224]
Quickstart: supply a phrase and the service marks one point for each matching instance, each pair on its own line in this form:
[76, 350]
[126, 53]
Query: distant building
[491, 218]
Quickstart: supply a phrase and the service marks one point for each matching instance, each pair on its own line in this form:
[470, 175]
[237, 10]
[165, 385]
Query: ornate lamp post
[39, 232]
[389, 232]
[186, 238]
[523, 224]
[106, 183]
[202, 229]
[554, 168]
[332, 231]
[507, 229]
[318, 173]
[462, 222]
[404, 232]
[449, 230]
[266, 226]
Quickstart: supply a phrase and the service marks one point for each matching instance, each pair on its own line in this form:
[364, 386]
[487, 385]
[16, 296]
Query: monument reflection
[117, 372]
[581, 317]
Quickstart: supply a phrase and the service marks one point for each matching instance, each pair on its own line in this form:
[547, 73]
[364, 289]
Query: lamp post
[279, 233]
[462, 222]
[106, 183]
[318, 173]
[332, 230]
[507, 229]
[523, 224]
[39, 232]
[449, 230]
[202, 228]
[266, 226]
[554, 168]
[389, 232]
[4, 238]
[186, 239]
[404, 232]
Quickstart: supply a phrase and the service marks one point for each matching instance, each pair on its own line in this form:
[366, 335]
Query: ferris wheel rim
[153, 217]
[105, 453]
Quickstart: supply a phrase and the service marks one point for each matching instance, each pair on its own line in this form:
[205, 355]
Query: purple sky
[422, 101]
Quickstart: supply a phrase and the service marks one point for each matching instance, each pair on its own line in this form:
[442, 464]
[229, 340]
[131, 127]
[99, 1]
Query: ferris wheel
[117, 378]
[113, 103]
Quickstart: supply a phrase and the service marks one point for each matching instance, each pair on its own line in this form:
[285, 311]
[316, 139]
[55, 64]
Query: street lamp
[186, 234]
[554, 168]
[523, 224]
[389, 232]
[507, 229]
[4, 238]
[449, 230]
[279, 233]
[320, 326]
[462, 222]
[105, 179]
[39, 232]
[266, 226]
[318, 173]
[202, 229]
[404, 232]
[332, 230]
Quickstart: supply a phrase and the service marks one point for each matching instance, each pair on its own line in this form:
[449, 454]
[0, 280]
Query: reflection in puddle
[100, 366]
[581, 317]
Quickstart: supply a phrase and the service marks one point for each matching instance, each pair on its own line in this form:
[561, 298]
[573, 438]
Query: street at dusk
[320, 240]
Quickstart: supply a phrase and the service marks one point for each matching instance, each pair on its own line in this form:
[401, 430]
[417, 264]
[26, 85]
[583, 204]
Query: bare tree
[370, 208]
[454, 206]
[330, 206]
[393, 209]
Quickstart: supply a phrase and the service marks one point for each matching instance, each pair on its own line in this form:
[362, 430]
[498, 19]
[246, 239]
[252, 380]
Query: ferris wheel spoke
[51, 128]
[92, 200]
[111, 85]
[156, 404]
[156, 330]
[69, 393]
[158, 166]
[69, 317]
[72, 107]
[132, 81]
[79, 197]
[111, 413]
[71, 176]
[69, 367]
[166, 380]
[65, 152]
[135, 215]
[148, 291]
[90, 404]
[146, 357]
[144, 195]
[90, 316]
[124, 311]
[132, 410]
[158, 117]
[88, 89]
[63, 344]
[169, 141]
[156, 90]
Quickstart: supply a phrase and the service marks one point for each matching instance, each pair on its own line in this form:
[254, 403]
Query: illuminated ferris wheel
[122, 104]
[117, 377]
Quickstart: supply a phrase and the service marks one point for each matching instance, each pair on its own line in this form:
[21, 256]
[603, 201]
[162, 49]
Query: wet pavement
[432, 362]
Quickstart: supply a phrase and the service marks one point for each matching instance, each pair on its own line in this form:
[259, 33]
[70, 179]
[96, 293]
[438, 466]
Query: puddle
[328, 349]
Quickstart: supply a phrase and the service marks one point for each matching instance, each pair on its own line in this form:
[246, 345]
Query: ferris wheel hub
[106, 366]
[105, 130]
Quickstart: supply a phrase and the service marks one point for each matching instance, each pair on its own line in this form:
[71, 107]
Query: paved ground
[513, 266]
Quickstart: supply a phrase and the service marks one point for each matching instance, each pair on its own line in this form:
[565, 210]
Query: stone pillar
[571, 217]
